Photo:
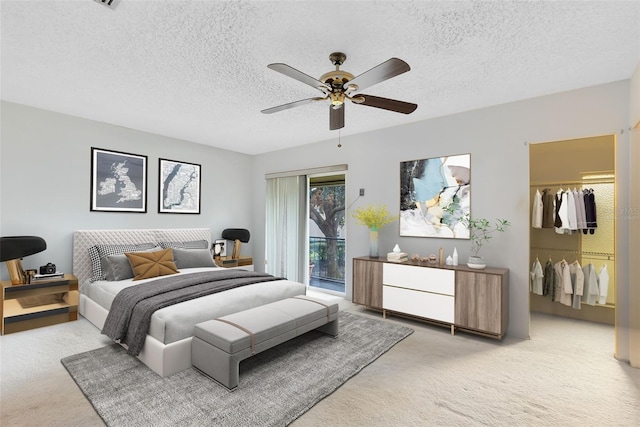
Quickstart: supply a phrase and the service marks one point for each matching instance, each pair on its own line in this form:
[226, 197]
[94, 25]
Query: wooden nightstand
[38, 304]
[242, 263]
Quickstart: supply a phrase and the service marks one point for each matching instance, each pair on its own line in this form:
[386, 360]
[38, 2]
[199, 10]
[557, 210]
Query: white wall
[497, 139]
[45, 179]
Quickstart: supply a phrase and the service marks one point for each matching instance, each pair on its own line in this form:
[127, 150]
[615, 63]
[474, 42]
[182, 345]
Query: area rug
[276, 386]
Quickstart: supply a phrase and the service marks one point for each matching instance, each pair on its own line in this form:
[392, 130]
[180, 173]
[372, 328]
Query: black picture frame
[118, 181]
[179, 187]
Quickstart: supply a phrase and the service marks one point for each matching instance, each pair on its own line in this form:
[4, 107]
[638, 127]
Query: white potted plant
[480, 232]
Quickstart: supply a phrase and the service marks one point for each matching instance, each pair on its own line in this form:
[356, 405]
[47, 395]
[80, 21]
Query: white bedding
[103, 292]
[176, 322]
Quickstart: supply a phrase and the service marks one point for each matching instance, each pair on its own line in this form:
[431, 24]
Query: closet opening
[572, 228]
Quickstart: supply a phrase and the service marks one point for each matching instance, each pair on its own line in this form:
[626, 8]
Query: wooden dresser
[458, 297]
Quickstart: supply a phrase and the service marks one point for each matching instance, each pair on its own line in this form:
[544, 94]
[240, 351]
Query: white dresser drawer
[423, 304]
[426, 279]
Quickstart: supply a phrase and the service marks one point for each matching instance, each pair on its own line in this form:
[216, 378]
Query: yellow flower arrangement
[374, 217]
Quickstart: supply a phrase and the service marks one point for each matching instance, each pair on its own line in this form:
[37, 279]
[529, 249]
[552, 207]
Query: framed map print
[179, 187]
[435, 197]
[118, 181]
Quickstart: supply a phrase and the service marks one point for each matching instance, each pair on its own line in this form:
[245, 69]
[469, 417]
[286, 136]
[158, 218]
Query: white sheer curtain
[286, 227]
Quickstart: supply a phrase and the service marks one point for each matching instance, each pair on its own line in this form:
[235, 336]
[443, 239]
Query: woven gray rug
[276, 386]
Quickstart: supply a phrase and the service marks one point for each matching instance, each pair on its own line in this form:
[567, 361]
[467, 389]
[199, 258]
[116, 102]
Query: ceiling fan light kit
[339, 85]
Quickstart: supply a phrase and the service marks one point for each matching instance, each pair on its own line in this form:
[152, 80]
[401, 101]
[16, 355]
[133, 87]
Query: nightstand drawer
[38, 304]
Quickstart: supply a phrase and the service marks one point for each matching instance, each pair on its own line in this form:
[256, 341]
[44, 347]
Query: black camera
[48, 269]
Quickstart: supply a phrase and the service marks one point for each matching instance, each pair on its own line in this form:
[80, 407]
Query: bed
[167, 345]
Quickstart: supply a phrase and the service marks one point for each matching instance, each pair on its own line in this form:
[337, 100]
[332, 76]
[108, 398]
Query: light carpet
[276, 386]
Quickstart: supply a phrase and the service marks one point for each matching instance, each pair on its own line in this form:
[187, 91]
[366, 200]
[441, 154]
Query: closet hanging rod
[585, 183]
[573, 251]
[607, 257]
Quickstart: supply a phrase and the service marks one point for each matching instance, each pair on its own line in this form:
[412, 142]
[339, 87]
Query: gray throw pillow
[98, 253]
[193, 258]
[192, 244]
[117, 267]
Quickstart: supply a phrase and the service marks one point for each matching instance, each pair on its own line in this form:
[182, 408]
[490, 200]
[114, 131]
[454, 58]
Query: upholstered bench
[219, 345]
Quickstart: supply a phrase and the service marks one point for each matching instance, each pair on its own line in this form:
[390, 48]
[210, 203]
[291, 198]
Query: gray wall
[497, 139]
[45, 178]
[45, 181]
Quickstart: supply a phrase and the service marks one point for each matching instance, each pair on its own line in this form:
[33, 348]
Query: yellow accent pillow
[152, 264]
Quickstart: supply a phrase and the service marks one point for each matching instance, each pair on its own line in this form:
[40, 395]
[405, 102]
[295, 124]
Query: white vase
[476, 262]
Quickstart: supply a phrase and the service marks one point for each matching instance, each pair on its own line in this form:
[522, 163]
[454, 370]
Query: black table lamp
[12, 249]
[237, 235]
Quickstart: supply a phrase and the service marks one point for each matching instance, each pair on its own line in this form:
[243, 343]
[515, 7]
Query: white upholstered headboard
[84, 239]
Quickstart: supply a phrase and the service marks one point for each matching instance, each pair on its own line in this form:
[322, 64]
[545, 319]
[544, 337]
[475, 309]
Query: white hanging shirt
[563, 213]
[591, 289]
[563, 284]
[571, 210]
[577, 283]
[536, 278]
[603, 279]
[536, 214]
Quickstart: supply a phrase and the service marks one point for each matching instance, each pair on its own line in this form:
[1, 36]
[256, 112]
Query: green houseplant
[480, 232]
[374, 217]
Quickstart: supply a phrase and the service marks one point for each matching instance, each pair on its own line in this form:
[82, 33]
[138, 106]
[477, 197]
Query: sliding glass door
[327, 232]
[305, 226]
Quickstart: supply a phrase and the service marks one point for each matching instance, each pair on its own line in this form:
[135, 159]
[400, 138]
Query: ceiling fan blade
[336, 117]
[291, 105]
[386, 103]
[379, 73]
[298, 75]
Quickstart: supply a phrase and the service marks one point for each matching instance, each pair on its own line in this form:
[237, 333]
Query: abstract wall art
[435, 197]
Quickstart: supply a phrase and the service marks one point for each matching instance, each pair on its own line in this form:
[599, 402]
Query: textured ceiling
[197, 70]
